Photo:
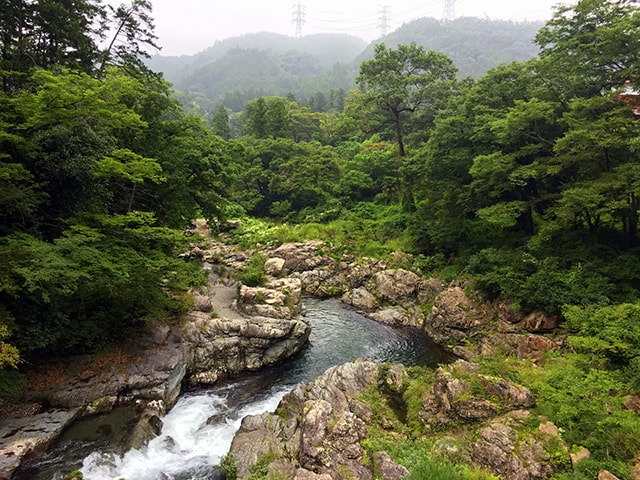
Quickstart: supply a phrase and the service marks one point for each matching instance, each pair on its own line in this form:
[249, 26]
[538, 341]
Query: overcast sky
[189, 26]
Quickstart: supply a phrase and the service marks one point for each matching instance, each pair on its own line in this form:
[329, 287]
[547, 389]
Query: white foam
[186, 444]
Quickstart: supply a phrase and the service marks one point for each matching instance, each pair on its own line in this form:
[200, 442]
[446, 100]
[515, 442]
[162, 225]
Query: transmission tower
[449, 10]
[298, 18]
[384, 21]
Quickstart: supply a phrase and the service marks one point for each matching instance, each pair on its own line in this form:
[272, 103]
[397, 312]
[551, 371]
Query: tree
[134, 168]
[256, 123]
[403, 81]
[590, 47]
[132, 30]
[269, 117]
[511, 178]
[48, 33]
[439, 172]
[220, 123]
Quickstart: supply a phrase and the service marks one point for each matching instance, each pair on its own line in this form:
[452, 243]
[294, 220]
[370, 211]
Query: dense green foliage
[98, 165]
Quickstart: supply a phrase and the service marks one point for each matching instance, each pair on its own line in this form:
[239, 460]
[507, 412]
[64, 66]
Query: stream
[199, 429]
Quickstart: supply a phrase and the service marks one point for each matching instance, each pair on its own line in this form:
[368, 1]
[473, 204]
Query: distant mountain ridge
[475, 45]
[327, 48]
[238, 69]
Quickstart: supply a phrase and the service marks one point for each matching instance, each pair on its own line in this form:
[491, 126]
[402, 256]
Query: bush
[228, 467]
[586, 402]
[611, 331]
[253, 275]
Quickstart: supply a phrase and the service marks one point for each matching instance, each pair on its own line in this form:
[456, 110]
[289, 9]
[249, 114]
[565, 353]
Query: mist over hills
[475, 45]
[327, 50]
[238, 69]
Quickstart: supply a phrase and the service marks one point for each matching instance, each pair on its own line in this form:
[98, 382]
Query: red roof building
[632, 97]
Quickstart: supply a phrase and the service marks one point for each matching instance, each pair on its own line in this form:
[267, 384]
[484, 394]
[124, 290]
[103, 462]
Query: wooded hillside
[240, 69]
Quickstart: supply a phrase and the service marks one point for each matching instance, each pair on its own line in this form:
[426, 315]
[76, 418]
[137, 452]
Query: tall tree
[269, 117]
[220, 123]
[403, 81]
[590, 47]
[131, 31]
[46, 33]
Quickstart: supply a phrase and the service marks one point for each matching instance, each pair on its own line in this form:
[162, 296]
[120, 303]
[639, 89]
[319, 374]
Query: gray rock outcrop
[501, 451]
[280, 298]
[394, 285]
[220, 347]
[25, 435]
[455, 396]
[319, 429]
[455, 318]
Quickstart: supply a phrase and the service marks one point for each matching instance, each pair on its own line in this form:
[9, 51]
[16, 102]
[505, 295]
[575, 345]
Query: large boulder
[319, 427]
[395, 285]
[461, 394]
[502, 452]
[510, 320]
[150, 368]
[142, 430]
[22, 436]
[281, 298]
[399, 316]
[362, 272]
[455, 318]
[221, 347]
[301, 257]
[324, 282]
[361, 299]
[388, 469]
[274, 266]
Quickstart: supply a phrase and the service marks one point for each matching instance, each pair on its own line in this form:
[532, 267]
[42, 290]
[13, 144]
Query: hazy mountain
[327, 50]
[239, 69]
[475, 45]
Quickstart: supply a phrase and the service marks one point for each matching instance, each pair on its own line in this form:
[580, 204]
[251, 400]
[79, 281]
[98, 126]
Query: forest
[525, 181]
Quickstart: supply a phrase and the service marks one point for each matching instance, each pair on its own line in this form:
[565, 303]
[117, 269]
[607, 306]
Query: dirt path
[223, 296]
[222, 291]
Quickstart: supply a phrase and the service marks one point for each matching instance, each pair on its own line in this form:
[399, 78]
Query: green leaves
[9, 355]
[129, 165]
[590, 47]
[611, 331]
[403, 81]
[95, 283]
[72, 98]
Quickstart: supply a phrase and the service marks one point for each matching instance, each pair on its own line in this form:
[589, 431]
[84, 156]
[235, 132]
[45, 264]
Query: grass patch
[253, 274]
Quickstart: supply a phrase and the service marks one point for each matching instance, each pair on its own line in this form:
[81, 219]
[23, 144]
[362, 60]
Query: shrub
[253, 275]
[228, 467]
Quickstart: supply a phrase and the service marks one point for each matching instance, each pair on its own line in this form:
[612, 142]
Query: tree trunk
[399, 136]
[632, 218]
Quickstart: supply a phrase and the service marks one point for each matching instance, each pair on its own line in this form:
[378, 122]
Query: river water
[199, 429]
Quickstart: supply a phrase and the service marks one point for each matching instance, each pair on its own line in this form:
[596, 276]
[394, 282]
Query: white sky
[189, 26]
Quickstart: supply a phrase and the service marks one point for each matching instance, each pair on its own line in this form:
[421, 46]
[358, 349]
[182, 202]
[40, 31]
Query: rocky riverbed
[237, 328]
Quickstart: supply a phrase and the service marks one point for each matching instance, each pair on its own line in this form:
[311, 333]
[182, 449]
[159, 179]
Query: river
[199, 429]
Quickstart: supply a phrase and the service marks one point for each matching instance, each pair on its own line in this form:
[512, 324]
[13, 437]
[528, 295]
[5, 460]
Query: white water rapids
[187, 448]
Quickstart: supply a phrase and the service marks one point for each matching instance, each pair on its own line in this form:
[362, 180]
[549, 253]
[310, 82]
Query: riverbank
[498, 344]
